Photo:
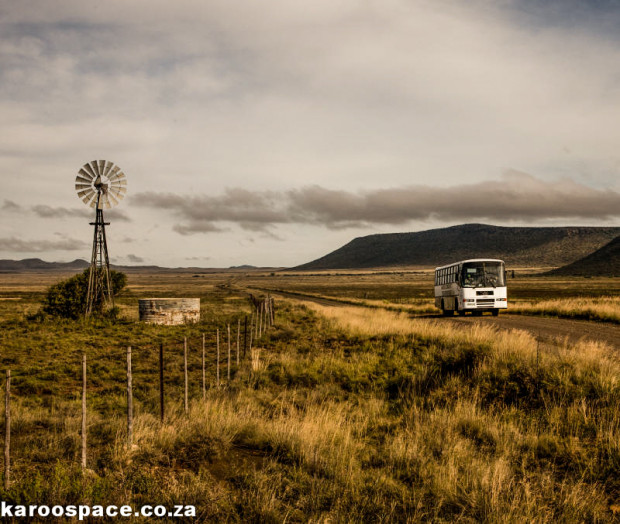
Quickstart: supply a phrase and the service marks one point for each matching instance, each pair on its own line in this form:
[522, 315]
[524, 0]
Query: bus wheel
[461, 312]
[477, 313]
[495, 312]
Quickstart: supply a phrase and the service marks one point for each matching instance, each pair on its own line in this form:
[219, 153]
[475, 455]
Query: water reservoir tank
[169, 311]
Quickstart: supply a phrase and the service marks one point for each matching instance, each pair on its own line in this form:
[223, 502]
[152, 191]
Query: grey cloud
[197, 227]
[516, 196]
[9, 205]
[253, 211]
[45, 211]
[134, 258]
[19, 245]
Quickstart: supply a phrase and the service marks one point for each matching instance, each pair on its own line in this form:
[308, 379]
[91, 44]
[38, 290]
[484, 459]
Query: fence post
[260, 319]
[185, 395]
[272, 308]
[245, 336]
[228, 376]
[7, 434]
[251, 337]
[256, 320]
[238, 336]
[161, 382]
[84, 412]
[129, 400]
[217, 357]
[204, 373]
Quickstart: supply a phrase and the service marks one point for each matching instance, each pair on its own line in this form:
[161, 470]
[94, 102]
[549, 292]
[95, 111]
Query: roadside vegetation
[600, 309]
[341, 414]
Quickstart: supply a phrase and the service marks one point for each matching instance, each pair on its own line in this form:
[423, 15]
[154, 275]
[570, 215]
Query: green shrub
[67, 299]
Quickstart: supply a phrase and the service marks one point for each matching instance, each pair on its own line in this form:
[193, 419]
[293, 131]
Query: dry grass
[604, 309]
[351, 414]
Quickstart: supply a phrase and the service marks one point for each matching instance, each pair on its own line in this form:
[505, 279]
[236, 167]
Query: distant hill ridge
[603, 262]
[518, 246]
[36, 264]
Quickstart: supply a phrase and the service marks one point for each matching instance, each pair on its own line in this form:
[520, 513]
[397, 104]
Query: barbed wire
[141, 350]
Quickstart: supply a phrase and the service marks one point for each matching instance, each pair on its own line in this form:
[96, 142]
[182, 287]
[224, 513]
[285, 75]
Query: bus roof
[470, 260]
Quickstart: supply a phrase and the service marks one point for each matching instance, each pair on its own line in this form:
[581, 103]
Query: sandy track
[546, 329]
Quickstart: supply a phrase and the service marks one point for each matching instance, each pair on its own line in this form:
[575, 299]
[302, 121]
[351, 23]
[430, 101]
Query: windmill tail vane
[101, 185]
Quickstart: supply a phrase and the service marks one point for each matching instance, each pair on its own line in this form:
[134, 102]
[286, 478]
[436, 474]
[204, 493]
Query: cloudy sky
[271, 133]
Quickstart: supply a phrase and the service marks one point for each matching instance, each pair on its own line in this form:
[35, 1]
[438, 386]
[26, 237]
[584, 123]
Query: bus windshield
[482, 274]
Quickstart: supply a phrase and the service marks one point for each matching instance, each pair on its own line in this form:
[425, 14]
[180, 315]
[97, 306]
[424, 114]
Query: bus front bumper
[485, 303]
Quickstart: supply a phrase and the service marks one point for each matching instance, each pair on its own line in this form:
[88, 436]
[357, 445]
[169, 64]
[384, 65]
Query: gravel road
[546, 329]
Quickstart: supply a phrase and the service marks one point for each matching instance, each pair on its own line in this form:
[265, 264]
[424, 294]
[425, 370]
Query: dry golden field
[365, 407]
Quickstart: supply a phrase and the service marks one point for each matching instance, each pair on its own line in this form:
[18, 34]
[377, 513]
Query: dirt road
[546, 329]
[549, 329]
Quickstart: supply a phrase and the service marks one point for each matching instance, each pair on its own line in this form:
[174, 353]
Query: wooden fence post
[228, 376]
[185, 395]
[161, 382]
[251, 337]
[84, 412]
[217, 357]
[7, 431]
[245, 336]
[272, 308]
[204, 372]
[238, 336]
[129, 400]
[260, 319]
[256, 320]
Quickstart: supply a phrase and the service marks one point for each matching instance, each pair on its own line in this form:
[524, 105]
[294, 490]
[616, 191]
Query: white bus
[475, 285]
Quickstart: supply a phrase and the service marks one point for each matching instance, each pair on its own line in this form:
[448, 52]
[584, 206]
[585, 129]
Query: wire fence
[232, 346]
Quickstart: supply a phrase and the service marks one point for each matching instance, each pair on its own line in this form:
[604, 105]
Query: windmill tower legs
[99, 287]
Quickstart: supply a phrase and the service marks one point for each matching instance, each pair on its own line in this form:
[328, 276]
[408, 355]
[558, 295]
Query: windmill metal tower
[101, 185]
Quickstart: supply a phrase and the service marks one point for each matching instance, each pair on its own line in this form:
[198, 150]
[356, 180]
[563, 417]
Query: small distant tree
[67, 299]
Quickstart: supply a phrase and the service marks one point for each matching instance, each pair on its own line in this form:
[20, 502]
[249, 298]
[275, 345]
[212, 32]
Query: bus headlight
[500, 300]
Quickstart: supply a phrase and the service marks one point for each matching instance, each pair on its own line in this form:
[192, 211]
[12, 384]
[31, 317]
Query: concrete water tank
[169, 311]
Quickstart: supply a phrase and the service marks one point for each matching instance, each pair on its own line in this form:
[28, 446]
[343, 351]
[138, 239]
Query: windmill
[101, 185]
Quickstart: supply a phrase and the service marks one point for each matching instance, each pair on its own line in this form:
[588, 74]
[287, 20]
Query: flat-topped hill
[518, 246]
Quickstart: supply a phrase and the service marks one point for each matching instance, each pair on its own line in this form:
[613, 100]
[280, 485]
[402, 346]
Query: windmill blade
[118, 188]
[82, 172]
[119, 182]
[95, 167]
[80, 187]
[108, 167]
[117, 176]
[102, 167]
[118, 195]
[88, 199]
[89, 170]
[113, 200]
[105, 201]
[86, 192]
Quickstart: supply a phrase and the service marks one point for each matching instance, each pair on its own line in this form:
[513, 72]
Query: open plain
[359, 404]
